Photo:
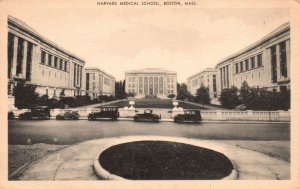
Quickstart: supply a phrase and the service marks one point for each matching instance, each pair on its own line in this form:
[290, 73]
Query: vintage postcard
[151, 93]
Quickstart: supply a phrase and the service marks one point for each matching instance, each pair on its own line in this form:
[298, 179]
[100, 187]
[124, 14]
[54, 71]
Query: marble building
[35, 60]
[263, 64]
[207, 78]
[155, 82]
[98, 82]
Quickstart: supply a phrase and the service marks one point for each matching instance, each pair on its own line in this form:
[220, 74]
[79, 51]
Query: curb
[205, 121]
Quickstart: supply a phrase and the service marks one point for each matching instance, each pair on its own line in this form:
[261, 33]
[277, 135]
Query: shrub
[202, 95]
[171, 96]
[229, 98]
[25, 96]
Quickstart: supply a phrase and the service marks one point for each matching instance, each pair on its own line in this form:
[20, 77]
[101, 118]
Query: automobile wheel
[58, 117]
[136, 119]
[154, 120]
[90, 118]
[47, 117]
[21, 117]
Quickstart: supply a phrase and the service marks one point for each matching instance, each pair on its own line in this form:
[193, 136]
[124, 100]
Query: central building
[151, 82]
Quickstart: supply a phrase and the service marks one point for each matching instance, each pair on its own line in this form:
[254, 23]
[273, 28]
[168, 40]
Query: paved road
[70, 132]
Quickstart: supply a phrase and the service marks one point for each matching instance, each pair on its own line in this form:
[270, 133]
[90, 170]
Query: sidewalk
[76, 162]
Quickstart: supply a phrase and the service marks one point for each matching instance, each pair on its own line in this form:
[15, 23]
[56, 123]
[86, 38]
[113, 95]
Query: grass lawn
[161, 160]
[155, 103]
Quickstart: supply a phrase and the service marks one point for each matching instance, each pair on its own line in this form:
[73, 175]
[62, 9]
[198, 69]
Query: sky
[186, 39]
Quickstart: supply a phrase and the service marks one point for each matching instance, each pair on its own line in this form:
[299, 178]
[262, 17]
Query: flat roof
[151, 70]
[27, 28]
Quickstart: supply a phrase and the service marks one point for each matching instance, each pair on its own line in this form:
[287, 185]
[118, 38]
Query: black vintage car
[39, 112]
[72, 115]
[110, 112]
[10, 115]
[189, 115]
[147, 116]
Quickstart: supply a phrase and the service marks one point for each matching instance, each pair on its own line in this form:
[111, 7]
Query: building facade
[151, 82]
[35, 60]
[98, 82]
[264, 64]
[206, 78]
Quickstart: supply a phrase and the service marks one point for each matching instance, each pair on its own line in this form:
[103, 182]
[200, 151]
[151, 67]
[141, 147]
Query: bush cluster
[255, 98]
[26, 97]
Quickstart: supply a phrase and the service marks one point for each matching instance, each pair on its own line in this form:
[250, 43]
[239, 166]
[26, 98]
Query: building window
[241, 66]
[283, 63]
[273, 64]
[20, 56]
[129, 79]
[55, 62]
[43, 57]
[66, 66]
[60, 64]
[10, 53]
[28, 62]
[49, 59]
[214, 83]
[237, 68]
[259, 60]
[247, 64]
[252, 62]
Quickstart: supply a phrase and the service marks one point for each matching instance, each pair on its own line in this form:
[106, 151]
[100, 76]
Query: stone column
[46, 59]
[14, 61]
[278, 63]
[24, 61]
[288, 54]
[266, 63]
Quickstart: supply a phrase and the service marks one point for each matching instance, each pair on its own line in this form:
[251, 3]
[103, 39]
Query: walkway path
[76, 162]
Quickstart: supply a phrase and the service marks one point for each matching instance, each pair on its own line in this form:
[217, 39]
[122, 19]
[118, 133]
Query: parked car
[73, 115]
[189, 115]
[39, 112]
[10, 115]
[147, 116]
[111, 112]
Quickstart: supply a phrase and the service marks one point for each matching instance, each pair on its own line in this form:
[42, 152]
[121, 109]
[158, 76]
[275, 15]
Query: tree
[202, 95]
[229, 98]
[182, 93]
[25, 95]
[245, 93]
[120, 90]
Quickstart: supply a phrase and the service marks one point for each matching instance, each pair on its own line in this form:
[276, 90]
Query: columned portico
[151, 82]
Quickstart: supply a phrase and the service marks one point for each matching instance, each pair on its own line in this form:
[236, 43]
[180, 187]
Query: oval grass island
[162, 160]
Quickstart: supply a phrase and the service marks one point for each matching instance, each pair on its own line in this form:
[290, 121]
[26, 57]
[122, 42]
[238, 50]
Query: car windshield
[148, 111]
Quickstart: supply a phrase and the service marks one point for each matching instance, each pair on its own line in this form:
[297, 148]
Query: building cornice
[202, 72]
[279, 30]
[151, 71]
[26, 28]
[88, 69]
